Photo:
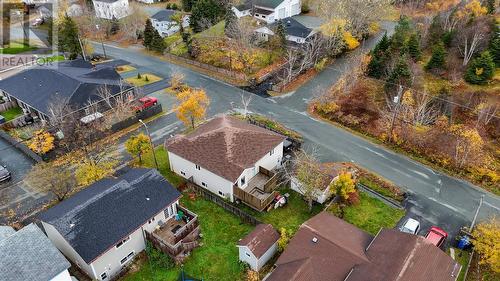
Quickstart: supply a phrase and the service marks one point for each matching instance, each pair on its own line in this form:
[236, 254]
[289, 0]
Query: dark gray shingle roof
[29, 255]
[293, 27]
[96, 218]
[6, 231]
[268, 3]
[75, 81]
[163, 15]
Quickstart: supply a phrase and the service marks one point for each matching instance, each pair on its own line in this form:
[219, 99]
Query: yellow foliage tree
[351, 42]
[486, 240]
[42, 142]
[192, 107]
[138, 145]
[475, 9]
[285, 236]
[344, 186]
[469, 143]
[89, 171]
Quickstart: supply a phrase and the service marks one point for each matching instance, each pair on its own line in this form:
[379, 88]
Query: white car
[411, 226]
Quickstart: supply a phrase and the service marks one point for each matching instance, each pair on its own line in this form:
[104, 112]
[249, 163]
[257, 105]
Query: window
[271, 152]
[247, 254]
[243, 181]
[104, 276]
[127, 258]
[151, 220]
[182, 173]
[203, 184]
[221, 193]
[197, 167]
[122, 242]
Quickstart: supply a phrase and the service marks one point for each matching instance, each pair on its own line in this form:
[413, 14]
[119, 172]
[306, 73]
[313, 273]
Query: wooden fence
[247, 218]
[7, 105]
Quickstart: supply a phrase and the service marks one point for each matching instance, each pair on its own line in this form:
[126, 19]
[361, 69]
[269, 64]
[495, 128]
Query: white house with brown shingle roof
[223, 153]
[259, 246]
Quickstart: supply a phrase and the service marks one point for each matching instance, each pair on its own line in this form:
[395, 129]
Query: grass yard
[291, 216]
[217, 258]
[11, 113]
[16, 48]
[371, 214]
[462, 257]
[146, 78]
[124, 68]
[384, 188]
[214, 31]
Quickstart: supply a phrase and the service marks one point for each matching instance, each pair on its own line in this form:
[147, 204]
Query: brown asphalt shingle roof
[225, 146]
[344, 250]
[260, 239]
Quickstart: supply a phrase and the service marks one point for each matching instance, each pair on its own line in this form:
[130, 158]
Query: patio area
[260, 191]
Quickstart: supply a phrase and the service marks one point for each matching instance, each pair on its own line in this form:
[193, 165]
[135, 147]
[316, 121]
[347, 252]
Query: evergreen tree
[157, 42]
[435, 31]
[401, 34]
[438, 57]
[414, 47]
[400, 75]
[447, 37]
[50, 35]
[148, 34]
[115, 26]
[281, 35]
[383, 45]
[187, 5]
[481, 69]
[490, 5]
[205, 11]
[376, 67]
[231, 28]
[495, 46]
[68, 37]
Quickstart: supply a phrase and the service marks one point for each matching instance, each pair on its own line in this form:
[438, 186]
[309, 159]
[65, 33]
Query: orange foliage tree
[192, 107]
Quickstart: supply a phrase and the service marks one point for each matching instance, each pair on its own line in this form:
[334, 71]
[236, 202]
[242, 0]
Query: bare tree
[52, 178]
[133, 25]
[245, 103]
[471, 39]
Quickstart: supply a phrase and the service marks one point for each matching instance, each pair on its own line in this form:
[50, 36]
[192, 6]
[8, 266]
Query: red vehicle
[144, 103]
[436, 236]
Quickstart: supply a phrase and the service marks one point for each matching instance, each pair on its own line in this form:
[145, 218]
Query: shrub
[495, 49]
[319, 66]
[481, 69]
[174, 6]
[158, 258]
[438, 57]
[139, 75]
[305, 8]
[146, 78]
[169, 6]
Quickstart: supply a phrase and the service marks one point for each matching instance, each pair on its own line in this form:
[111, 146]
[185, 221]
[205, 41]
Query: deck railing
[252, 200]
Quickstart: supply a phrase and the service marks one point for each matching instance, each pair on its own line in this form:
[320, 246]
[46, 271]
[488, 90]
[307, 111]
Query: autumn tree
[52, 177]
[344, 187]
[285, 236]
[481, 69]
[137, 145]
[486, 240]
[133, 26]
[231, 27]
[42, 142]
[468, 144]
[192, 107]
[177, 81]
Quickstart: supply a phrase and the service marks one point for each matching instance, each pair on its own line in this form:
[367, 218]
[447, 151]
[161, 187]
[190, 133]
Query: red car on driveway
[144, 103]
[436, 236]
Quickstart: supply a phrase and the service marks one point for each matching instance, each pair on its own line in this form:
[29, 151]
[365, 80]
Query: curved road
[437, 198]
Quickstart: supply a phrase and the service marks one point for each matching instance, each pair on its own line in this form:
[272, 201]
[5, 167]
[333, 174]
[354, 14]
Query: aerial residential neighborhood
[266, 140]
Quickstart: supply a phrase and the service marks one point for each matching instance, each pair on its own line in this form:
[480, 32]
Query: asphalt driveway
[15, 161]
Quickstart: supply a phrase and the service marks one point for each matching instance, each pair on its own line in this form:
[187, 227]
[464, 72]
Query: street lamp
[151, 142]
[102, 42]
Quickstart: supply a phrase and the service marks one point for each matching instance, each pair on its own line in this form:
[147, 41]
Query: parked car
[37, 22]
[436, 236]
[411, 226]
[4, 174]
[144, 103]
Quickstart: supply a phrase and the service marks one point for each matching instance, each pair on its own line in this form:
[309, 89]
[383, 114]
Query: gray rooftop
[6, 231]
[75, 81]
[309, 21]
[292, 27]
[163, 15]
[29, 255]
[268, 3]
[98, 217]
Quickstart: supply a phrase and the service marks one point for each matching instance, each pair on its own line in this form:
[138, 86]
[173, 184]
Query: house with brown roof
[328, 248]
[230, 158]
[259, 246]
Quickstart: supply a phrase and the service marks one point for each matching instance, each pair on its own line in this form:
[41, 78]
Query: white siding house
[269, 10]
[259, 246]
[109, 9]
[138, 201]
[242, 152]
[163, 23]
[295, 29]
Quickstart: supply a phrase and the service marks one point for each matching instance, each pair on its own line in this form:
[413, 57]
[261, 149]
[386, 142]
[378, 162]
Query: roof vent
[147, 198]
[288, 23]
[315, 240]
[71, 225]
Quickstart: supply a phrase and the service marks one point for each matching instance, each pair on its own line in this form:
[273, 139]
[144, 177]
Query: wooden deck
[260, 191]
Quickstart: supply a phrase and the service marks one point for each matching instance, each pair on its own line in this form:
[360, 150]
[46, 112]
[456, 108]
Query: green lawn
[291, 216]
[12, 113]
[16, 48]
[371, 214]
[462, 257]
[217, 258]
[163, 163]
[151, 78]
[385, 189]
[214, 31]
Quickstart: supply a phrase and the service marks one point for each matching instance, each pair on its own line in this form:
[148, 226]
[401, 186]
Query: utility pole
[151, 142]
[81, 46]
[102, 42]
[477, 213]
[396, 110]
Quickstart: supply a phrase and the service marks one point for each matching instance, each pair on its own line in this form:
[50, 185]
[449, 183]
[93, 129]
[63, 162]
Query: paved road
[435, 198]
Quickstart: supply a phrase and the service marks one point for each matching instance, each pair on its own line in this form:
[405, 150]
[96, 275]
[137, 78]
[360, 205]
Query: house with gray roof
[268, 10]
[162, 21]
[111, 9]
[298, 28]
[29, 255]
[77, 83]
[103, 227]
